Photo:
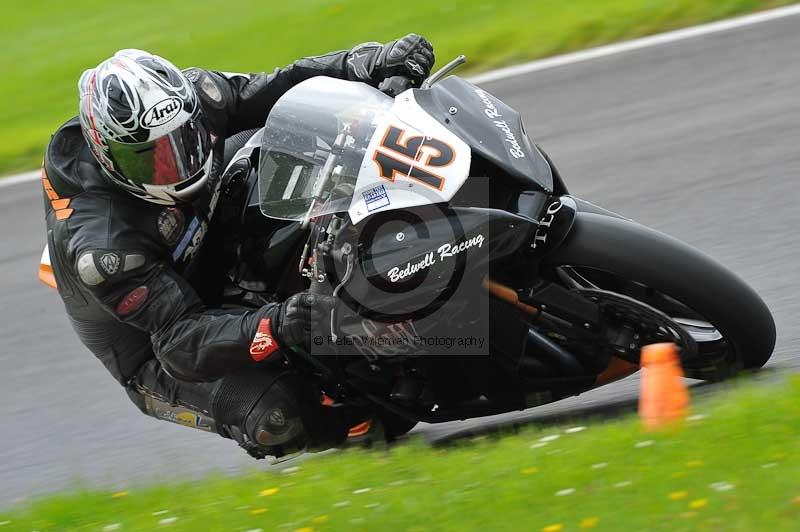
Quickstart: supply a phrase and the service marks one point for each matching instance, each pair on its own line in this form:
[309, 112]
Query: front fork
[551, 305]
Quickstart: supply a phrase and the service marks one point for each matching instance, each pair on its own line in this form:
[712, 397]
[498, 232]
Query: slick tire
[646, 256]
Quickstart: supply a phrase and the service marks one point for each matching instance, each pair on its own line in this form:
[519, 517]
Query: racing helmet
[143, 122]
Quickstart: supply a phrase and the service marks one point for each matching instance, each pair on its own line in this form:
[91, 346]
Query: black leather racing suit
[135, 277]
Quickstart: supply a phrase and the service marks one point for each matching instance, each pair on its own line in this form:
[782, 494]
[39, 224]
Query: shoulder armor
[208, 88]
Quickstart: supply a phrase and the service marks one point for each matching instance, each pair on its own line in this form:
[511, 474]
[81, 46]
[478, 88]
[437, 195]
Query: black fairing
[492, 129]
[492, 235]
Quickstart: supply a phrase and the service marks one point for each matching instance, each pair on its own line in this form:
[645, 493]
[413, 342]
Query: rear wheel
[720, 322]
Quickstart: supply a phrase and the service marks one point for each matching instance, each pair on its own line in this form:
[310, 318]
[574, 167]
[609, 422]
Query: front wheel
[731, 326]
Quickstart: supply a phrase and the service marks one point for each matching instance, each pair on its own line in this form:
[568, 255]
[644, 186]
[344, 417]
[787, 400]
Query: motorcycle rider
[131, 189]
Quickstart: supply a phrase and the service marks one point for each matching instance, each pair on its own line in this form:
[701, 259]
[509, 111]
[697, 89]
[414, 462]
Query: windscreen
[314, 144]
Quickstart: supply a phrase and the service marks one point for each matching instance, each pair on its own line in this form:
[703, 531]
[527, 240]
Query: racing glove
[410, 56]
[292, 323]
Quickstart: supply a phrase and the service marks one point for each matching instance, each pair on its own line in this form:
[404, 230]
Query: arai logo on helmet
[162, 112]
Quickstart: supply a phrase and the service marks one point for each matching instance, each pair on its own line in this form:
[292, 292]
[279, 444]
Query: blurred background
[697, 138]
[46, 45]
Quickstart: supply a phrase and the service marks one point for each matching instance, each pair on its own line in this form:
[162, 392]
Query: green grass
[45, 45]
[734, 466]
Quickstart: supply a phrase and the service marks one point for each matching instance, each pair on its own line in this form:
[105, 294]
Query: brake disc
[631, 324]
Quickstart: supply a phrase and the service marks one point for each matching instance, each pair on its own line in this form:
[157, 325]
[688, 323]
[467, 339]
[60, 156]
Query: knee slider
[266, 407]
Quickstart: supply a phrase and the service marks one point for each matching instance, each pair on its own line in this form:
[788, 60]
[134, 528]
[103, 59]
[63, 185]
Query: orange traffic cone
[664, 397]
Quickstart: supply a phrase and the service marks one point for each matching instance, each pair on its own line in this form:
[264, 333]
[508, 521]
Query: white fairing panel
[431, 169]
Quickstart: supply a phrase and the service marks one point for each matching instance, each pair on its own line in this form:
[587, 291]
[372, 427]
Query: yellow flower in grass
[320, 519]
[694, 463]
[678, 495]
[589, 522]
[269, 491]
[698, 503]
[530, 470]
[119, 494]
[258, 511]
[304, 529]
[558, 527]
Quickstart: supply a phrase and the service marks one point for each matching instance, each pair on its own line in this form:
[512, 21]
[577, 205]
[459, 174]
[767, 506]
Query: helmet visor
[169, 160]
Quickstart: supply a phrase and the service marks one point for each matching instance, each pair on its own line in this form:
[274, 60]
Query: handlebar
[395, 85]
[320, 287]
[399, 84]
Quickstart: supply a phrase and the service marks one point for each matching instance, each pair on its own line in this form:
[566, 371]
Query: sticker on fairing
[445, 251]
[411, 160]
[376, 198]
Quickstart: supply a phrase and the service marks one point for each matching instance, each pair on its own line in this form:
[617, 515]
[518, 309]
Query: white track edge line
[20, 178]
[577, 57]
[637, 44]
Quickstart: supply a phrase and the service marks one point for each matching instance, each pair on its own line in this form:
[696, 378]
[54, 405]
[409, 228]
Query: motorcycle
[469, 281]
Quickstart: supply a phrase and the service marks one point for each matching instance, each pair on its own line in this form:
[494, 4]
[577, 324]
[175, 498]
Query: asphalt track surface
[697, 138]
